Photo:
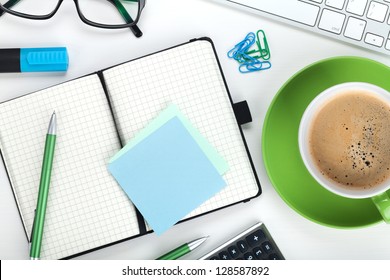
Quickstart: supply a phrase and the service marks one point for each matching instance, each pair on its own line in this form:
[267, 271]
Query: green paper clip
[262, 45]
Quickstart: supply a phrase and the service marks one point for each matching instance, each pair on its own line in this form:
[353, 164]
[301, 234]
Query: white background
[166, 23]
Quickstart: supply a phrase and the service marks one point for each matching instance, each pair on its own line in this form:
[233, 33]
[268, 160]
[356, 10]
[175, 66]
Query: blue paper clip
[254, 66]
[239, 51]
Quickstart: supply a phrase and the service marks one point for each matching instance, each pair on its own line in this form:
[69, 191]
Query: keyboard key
[255, 238]
[356, 7]
[374, 40]
[249, 256]
[267, 246]
[377, 11]
[224, 256]
[338, 4]
[331, 21]
[233, 251]
[259, 253]
[388, 44]
[319, 1]
[242, 246]
[355, 28]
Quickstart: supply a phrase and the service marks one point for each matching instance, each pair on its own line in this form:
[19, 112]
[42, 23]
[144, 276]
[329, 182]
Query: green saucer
[281, 156]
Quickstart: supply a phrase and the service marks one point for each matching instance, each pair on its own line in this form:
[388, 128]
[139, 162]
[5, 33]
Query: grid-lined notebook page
[189, 77]
[86, 207]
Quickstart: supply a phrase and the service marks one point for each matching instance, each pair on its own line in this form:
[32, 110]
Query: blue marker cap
[43, 59]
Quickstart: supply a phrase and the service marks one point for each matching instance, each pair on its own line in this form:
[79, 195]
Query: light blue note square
[167, 175]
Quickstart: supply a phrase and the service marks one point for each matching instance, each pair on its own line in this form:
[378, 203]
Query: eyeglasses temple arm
[8, 4]
[136, 31]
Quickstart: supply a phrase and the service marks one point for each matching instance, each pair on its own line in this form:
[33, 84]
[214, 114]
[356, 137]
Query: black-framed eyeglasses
[111, 14]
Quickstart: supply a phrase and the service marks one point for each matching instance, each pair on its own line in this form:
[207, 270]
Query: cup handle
[382, 202]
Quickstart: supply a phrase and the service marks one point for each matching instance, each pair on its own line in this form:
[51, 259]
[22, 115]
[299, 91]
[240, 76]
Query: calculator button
[233, 251]
[267, 246]
[249, 256]
[259, 253]
[224, 256]
[273, 257]
[255, 238]
[242, 246]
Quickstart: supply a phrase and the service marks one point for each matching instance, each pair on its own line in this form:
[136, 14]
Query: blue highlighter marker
[33, 60]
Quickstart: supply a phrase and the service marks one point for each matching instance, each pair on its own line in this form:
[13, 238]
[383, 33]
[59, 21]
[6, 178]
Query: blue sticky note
[170, 112]
[167, 175]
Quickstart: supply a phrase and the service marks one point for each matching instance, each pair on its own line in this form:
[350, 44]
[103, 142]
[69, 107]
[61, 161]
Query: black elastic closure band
[242, 112]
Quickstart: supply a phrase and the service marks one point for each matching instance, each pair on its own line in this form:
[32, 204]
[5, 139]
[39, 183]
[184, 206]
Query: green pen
[183, 249]
[40, 211]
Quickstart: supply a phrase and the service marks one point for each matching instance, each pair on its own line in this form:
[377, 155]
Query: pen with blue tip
[43, 192]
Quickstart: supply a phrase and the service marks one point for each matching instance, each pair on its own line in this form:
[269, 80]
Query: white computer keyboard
[365, 23]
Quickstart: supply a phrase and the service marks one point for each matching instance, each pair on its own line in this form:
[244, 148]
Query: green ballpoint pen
[40, 211]
[183, 249]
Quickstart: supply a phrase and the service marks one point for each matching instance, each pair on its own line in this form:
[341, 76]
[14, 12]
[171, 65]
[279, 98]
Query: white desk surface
[167, 23]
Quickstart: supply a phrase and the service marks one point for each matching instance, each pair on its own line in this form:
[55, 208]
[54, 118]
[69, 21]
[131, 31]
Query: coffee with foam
[349, 139]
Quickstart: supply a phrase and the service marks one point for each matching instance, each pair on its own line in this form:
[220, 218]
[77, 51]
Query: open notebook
[96, 115]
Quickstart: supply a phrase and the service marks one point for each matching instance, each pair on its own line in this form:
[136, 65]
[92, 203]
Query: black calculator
[255, 243]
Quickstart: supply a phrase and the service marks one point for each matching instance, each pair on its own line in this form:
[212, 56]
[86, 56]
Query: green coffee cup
[359, 174]
[282, 159]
